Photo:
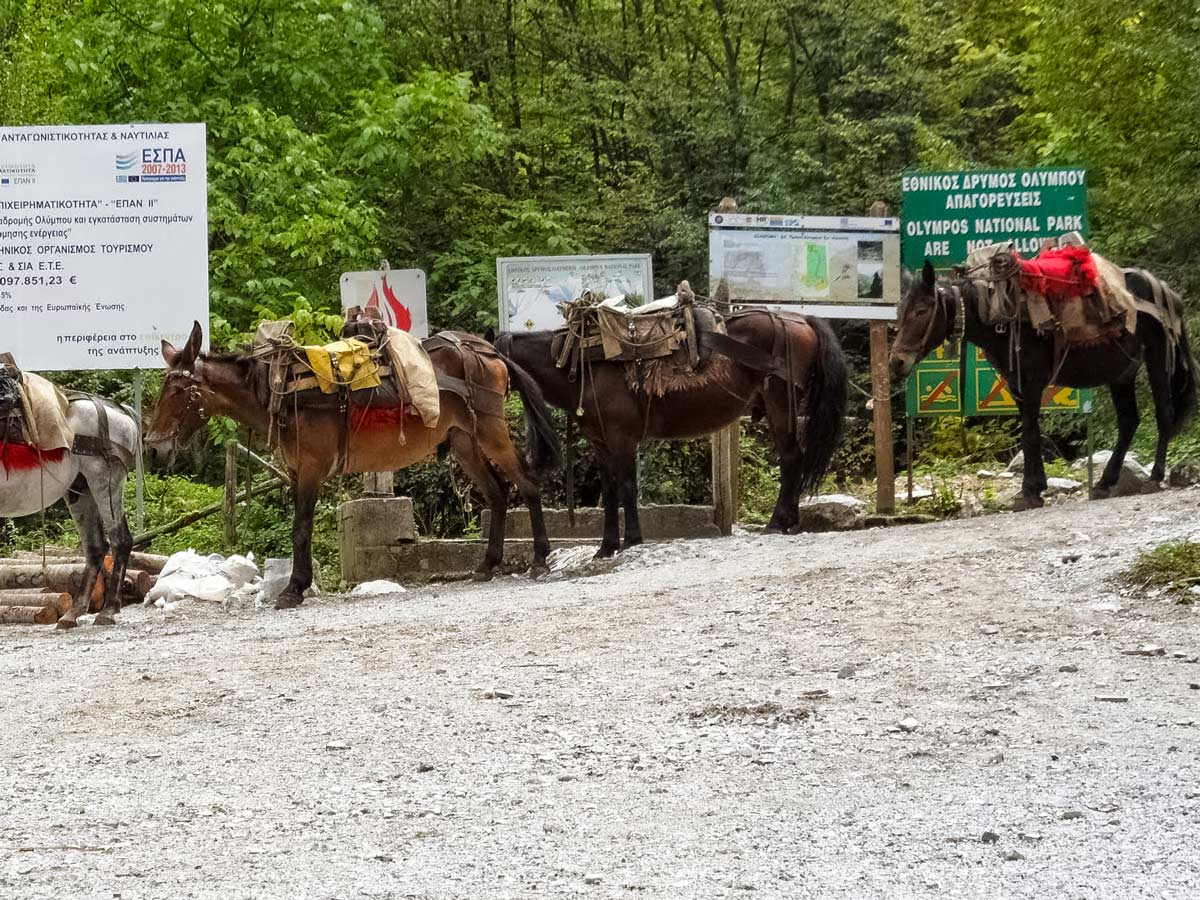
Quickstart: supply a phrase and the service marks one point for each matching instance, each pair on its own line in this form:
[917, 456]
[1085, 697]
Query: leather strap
[742, 353]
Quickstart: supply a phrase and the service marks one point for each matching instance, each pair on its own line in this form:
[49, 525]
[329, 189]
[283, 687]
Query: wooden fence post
[231, 493]
[722, 481]
[881, 395]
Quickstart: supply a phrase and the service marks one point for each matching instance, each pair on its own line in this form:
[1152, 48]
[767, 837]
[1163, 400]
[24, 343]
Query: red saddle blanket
[1060, 274]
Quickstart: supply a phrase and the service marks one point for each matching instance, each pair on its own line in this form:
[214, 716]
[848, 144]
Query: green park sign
[946, 216]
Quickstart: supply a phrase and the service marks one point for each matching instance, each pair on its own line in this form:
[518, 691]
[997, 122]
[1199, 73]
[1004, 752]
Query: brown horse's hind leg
[787, 506]
[498, 446]
[472, 461]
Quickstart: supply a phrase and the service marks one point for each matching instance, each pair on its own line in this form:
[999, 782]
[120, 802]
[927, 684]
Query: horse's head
[924, 323]
[178, 414]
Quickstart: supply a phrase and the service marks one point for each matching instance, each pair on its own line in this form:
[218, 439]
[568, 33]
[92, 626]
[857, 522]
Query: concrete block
[659, 523]
[367, 529]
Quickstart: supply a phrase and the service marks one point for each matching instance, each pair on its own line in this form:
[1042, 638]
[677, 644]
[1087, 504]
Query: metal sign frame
[791, 263]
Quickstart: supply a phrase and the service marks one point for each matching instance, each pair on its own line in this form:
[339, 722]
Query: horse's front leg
[302, 525]
[110, 503]
[1034, 479]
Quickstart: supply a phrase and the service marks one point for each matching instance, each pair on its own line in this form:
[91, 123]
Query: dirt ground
[677, 728]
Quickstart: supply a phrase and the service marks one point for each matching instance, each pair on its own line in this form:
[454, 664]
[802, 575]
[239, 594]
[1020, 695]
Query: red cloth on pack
[1060, 274]
[15, 457]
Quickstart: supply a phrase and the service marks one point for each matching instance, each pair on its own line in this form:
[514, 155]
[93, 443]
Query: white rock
[830, 512]
[908, 725]
[1056, 486]
[380, 588]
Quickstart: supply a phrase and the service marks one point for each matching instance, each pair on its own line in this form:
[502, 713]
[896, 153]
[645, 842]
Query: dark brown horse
[316, 442]
[806, 421]
[933, 311]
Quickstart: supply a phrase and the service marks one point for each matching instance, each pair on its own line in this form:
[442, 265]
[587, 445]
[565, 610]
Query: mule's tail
[1183, 382]
[825, 409]
[542, 448]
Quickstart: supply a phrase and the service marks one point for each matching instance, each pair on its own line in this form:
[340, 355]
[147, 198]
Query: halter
[194, 395]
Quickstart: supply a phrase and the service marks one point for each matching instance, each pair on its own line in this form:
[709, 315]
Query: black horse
[805, 409]
[934, 311]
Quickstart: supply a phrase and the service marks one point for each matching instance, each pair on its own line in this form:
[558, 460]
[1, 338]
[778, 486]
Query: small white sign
[103, 243]
[398, 294]
[843, 268]
[531, 287]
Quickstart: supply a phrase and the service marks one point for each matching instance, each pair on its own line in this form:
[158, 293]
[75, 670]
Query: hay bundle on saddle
[383, 374]
[659, 343]
[1068, 291]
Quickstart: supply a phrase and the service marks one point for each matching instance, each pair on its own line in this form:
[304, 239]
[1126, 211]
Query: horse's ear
[929, 274]
[490, 335]
[191, 349]
[170, 354]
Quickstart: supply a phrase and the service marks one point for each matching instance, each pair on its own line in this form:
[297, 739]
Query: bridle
[949, 304]
[193, 391]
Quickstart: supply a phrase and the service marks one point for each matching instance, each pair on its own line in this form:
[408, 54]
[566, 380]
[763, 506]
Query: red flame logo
[394, 312]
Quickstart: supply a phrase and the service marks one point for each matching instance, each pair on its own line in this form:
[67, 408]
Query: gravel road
[913, 712]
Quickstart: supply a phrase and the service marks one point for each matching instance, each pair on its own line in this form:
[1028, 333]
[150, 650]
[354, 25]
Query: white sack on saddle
[46, 407]
[415, 371]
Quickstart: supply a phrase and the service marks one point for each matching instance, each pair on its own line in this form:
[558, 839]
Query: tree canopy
[444, 133]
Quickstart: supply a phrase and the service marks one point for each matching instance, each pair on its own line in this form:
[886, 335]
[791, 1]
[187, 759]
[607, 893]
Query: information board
[531, 287]
[836, 267]
[103, 243]
[398, 294]
[946, 216]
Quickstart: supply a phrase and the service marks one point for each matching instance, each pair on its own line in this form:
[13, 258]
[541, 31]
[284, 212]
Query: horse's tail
[1183, 377]
[825, 410]
[542, 448]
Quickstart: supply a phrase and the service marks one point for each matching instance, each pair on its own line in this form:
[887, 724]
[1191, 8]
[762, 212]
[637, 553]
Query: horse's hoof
[481, 575]
[104, 619]
[538, 570]
[605, 553]
[773, 529]
[1151, 487]
[66, 624]
[1023, 503]
[288, 601]
[1100, 493]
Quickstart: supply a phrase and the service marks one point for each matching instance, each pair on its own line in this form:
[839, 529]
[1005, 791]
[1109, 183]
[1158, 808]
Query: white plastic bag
[188, 575]
[379, 588]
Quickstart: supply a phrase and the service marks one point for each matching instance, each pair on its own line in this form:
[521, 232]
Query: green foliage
[1174, 566]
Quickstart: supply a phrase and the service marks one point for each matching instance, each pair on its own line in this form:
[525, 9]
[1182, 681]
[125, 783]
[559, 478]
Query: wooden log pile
[35, 594]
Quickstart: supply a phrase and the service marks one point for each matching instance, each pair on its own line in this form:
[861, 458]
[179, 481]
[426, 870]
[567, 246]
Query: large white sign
[844, 268]
[531, 287]
[103, 243]
[398, 294]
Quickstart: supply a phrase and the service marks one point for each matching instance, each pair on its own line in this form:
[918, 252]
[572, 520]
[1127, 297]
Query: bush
[1174, 566]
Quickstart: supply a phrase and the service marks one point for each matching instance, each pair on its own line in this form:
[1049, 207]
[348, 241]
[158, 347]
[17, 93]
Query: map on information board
[530, 288]
[823, 265]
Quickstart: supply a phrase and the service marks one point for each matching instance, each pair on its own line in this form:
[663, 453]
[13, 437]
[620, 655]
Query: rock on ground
[831, 512]
[672, 728]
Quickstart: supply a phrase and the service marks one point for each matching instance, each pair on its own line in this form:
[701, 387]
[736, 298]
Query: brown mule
[315, 446]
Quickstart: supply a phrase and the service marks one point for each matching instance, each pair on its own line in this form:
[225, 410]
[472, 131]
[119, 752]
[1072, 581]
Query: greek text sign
[845, 268]
[103, 243]
[949, 214]
[531, 287]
